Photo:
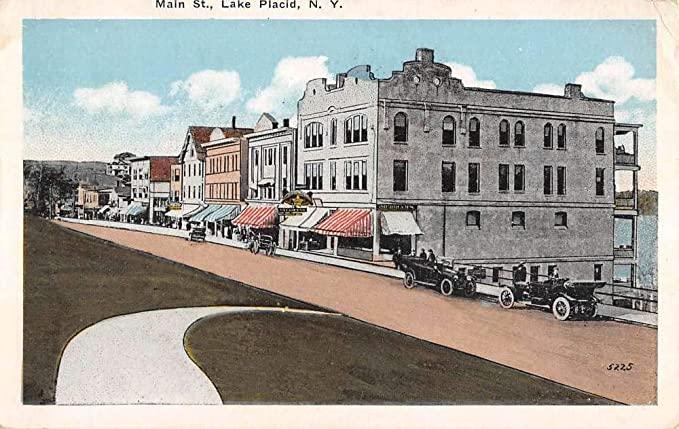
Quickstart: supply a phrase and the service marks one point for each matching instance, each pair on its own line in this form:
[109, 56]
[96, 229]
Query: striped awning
[347, 223]
[104, 209]
[202, 214]
[223, 212]
[257, 217]
[135, 209]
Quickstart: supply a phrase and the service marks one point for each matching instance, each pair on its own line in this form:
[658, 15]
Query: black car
[438, 275]
[566, 298]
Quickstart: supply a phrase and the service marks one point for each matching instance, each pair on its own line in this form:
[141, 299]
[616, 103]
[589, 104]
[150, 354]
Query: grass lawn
[72, 281]
[285, 357]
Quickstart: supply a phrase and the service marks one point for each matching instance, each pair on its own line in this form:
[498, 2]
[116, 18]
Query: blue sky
[95, 88]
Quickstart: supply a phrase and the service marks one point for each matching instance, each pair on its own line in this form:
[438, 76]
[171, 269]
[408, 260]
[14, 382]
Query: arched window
[548, 136]
[474, 133]
[504, 132]
[448, 136]
[519, 135]
[400, 127]
[561, 136]
[599, 140]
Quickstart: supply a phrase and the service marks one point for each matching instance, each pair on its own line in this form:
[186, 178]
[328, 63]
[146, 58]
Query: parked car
[197, 233]
[565, 298]
[437, 275]
[262, 242]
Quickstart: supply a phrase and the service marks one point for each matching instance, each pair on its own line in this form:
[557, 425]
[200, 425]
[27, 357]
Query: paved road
[575, 353]
[138, 359]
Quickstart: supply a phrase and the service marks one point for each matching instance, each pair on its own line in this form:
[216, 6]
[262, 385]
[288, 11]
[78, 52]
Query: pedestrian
[431, 258]
[423, 254]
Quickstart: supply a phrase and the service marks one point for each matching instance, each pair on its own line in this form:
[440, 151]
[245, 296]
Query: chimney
[573, 90]
[274, 125]
[286, 122]
[233, 122]
[424, 55]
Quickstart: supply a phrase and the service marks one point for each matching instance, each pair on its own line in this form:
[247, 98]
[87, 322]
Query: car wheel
[506, 298]
[446, 287]
[470, 289]
[255, 247]
[409, 280]
[561, 308]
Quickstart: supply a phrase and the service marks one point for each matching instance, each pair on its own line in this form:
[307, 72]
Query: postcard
[338, 214]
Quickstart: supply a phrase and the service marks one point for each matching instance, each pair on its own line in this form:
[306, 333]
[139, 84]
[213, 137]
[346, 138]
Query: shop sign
[396, 207]
[174, 206]
[291, 211]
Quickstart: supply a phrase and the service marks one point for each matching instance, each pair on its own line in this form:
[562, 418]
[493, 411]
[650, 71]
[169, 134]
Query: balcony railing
[623, 158]
[623, 252]
[624, 203]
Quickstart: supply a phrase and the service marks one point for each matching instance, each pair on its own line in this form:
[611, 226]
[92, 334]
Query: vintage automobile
[439, 275]
[197, 233]
[566, 298]
[262, 242]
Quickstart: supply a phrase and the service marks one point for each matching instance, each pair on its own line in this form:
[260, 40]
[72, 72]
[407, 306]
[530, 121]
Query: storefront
[216, 218]
[297, 233]
[178, 212]
[136, 213]
[101, 213]
[262, 218]
[398, 229]
[350, 231]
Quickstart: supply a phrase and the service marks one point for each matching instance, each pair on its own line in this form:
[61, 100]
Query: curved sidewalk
[139, 359]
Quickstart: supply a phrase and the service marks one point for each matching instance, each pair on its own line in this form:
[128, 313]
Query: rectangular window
[313, 175]
[285, 155]
[561, 180]
[548, 180]
[347, 175]
[357, 128]
[448, 177]
[473, 219]
[364, 175]
[347, 131]
[357, 177]
[600, 181]
[550, 269]
[534, 273]
[333, 175]
[496, 274]
[503, 178]
[333, 132]
[364, 128]
[400, 175]
[560, 220]
[597, 271]
[519, 178]
[518, 220]
[474, 180]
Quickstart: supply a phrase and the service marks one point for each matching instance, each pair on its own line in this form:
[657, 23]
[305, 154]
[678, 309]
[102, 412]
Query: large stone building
[480, 176]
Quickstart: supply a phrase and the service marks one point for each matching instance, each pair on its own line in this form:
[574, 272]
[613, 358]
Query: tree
[45, 186]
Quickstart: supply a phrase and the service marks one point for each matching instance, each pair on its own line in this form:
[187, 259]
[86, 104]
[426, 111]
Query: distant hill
[90, 172]
[648, 201]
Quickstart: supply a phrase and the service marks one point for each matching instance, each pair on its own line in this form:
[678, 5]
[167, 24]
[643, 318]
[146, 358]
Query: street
[575, 353]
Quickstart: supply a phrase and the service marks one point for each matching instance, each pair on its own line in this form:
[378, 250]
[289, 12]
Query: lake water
[647, 273]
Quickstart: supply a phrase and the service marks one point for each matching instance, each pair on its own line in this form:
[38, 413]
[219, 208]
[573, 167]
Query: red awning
[347, 223]
[257, 217]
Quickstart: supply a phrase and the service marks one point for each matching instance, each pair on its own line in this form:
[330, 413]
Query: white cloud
[549, 88]
[635, 116]
[468, 76]
[614, 79]
[288, 83]
[116, 98]
[209, 89]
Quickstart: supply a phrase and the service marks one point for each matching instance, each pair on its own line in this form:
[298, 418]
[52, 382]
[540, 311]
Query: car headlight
[567, 283]
[469, 277]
